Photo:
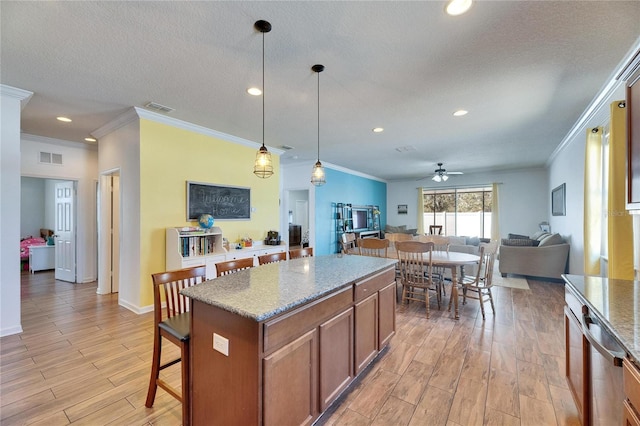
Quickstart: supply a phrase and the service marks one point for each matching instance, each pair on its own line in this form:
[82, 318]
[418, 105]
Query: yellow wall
[168, 158]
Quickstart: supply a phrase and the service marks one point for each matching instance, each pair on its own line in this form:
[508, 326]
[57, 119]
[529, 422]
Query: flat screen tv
[360, 222]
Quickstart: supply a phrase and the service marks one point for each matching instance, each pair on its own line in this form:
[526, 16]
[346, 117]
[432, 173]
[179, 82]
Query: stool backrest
[168, 285]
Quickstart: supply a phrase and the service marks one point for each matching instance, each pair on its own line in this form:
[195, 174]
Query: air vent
[50, 158]
[159, 108]
[286, 147]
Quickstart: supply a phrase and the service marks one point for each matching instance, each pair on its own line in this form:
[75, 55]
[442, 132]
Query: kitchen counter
[616, 303]
[262, 292]
[278, 343]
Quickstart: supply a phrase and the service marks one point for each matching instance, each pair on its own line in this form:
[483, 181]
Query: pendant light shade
[263, 167]
[317, 175]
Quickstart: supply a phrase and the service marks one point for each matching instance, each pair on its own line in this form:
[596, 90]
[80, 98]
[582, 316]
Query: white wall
[523, 198]
[119, 150]
[80, 163]
[32, 207]
[12, 100]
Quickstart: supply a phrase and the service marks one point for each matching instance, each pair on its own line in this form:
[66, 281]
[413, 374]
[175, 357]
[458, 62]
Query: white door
[65, 232]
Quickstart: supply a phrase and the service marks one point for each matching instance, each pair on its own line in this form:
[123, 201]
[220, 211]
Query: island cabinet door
[290, 395]
[387, 314]
[336, 356]
[366, 326]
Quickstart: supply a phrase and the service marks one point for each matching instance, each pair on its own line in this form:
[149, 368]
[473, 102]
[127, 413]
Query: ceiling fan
[441, 175]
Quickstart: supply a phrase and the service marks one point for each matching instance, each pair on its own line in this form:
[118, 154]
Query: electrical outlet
[221, 344]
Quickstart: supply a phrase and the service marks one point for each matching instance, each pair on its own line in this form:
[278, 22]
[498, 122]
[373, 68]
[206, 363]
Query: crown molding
[13, 92]
[174, 122]
[327, 165]
[594, 111]
[60, 142]
[129, 116]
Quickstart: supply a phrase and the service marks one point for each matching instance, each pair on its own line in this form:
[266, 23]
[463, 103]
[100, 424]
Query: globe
[205, 221]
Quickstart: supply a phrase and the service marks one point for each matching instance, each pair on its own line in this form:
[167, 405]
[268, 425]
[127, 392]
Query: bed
[27, 242]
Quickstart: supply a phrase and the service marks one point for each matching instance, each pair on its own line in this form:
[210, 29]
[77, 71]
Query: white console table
[369, 234]
[41, 258]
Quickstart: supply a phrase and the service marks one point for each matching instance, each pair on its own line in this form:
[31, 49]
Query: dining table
[445, 259]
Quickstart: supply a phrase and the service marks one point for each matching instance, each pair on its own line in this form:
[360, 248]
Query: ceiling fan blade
[455, 173]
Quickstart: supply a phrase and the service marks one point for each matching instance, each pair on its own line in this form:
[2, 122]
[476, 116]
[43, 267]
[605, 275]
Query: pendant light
[317, 176]
[263, 167]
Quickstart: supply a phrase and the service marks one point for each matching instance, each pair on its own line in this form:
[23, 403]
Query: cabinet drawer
[367, 287]
[572, 302]
[292, 325]
[631, 378]
[629, 415]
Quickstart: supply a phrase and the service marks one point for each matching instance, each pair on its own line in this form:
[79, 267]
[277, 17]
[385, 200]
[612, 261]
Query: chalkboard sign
[223, 202]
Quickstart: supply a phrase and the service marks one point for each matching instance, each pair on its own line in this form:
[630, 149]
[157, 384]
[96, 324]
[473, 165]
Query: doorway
[109, 232]
[298, 217]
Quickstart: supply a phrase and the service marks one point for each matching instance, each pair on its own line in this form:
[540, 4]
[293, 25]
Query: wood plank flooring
[82, 359]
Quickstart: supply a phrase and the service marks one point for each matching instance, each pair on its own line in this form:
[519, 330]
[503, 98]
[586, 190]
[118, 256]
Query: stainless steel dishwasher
[606, 387]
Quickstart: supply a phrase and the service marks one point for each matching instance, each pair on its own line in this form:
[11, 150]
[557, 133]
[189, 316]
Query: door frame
[109, 260]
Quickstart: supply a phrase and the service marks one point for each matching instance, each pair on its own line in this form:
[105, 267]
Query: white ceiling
[525, 70]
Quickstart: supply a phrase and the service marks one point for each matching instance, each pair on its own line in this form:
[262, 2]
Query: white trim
[612, 85]
[174, 122]
[123, 119]
[135, 309]
[349, 171]
[61, 142]
[11, 330]
[23, 95]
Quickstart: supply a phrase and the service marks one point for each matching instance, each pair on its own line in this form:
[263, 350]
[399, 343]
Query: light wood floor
[82, 359]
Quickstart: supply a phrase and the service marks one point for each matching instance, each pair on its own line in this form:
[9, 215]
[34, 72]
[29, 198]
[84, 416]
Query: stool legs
[155, 369]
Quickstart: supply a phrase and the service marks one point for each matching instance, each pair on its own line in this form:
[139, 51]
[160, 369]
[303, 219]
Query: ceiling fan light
[445, 177]
[436, 178]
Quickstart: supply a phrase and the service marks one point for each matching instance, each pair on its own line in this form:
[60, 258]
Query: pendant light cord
[318, 116]
[263, 89]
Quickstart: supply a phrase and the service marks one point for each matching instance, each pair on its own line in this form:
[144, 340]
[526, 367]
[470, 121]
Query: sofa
[542, 255]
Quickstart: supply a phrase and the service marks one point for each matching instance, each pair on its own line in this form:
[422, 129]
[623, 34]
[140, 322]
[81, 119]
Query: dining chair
[479, 287]
[272, 258]
[174, 328]
[435, 229]
[303, 252]
[416, 271]
[374, 247]
[231, 266]
[348, 242]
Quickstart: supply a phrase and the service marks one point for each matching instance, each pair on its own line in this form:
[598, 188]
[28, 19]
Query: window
[460, 211]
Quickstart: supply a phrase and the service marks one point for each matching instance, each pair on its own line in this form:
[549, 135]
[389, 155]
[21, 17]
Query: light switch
[221, 344]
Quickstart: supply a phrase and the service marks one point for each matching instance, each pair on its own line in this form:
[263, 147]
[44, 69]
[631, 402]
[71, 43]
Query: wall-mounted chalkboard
[223, 202]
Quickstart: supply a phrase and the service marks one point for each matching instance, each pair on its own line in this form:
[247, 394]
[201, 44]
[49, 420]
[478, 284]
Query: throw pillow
[457, 241]
[543, 236]
[472, 241]
[411, 231]
[395, 229]
[518, 237]
[551, 240]
[538, 234]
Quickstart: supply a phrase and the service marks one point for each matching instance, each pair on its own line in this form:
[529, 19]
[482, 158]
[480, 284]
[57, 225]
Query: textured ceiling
[525, 70]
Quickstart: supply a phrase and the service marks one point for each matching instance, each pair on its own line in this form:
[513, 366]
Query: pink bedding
[30, 241]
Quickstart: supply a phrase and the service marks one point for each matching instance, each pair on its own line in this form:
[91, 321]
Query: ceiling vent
[286, 147]
[407, 148]
[160, 108]
[50, 158]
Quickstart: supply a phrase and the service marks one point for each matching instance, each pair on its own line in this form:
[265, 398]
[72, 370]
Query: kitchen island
[602, 332]
[277, 343]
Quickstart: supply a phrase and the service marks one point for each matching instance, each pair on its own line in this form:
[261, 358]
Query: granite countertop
[616, 303]
[264, 291]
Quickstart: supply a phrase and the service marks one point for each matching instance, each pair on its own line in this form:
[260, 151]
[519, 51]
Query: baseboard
[136, 309]
[11, 330]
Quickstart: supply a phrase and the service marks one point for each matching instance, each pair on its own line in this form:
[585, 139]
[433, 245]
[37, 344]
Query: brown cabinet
[577, 352]
[366, 331]
[287, 369]
[631, 378]
[290, 382]
[336, 357]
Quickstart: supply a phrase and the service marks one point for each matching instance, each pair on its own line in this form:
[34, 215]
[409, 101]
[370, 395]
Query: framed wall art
[558, 201]
[403, 208]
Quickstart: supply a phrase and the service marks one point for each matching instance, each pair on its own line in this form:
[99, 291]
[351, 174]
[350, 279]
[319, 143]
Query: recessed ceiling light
[90, 140]
[65, 119]
[458, 7]
[461, 112]
[254, 91]
[378, 130]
